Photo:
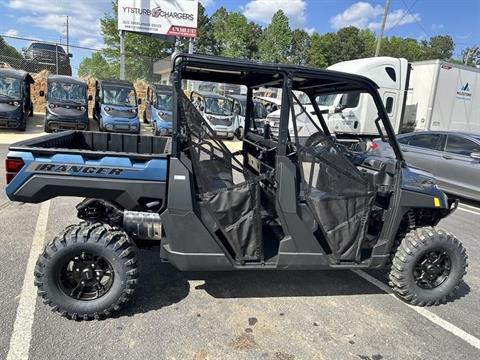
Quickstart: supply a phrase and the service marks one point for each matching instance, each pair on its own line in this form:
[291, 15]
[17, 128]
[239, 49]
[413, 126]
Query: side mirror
[139, 101]
[70, 55]
[90, 98]
[475, 155]
[41, 93]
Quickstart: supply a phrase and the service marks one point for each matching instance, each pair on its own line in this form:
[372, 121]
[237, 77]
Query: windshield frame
[117, 88]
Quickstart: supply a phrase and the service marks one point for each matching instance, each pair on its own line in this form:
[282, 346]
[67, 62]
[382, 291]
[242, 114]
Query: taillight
[373, 145]
[12, 167]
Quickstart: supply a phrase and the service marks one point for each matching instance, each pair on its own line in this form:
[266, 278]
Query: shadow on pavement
[162, 285]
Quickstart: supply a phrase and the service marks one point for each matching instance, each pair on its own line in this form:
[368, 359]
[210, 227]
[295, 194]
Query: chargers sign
[162, 17]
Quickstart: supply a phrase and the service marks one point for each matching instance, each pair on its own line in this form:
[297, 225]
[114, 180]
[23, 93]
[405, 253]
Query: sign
[161, 17]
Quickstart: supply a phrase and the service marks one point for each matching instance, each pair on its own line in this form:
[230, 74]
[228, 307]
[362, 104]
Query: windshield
[120, 96]
[218, 106]
[164, 101]
[63, 91]
[10, 88]
[260, 111]
[325, 100]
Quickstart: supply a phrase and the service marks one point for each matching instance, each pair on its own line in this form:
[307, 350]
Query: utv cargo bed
[92, 144]
[128, 170]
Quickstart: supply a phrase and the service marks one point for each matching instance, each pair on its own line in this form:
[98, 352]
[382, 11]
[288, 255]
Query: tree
[235, 35]
[275, 44]
[471, 56]
[398, 47]
[299, 47]
[439, 47]
[98, 67]
[8, 50]
[348, 44]
[319, 49]
[205, 42]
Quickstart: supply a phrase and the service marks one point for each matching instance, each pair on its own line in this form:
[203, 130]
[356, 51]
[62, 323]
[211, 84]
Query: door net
[229, 194]
[339, 195]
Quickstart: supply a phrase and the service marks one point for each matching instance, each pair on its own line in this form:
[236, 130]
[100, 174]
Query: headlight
[134, 111]
[161, 113]
[15, 103]
[51, 106]
[82, 108]
[107, 108]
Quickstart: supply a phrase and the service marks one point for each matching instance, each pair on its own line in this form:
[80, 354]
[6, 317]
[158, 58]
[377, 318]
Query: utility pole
[382, 28]
[122, 55]
[68, 48]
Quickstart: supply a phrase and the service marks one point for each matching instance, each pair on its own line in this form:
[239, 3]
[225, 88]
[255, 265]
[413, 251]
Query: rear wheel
[239, 133]
[87, 272]
[23, 125]
[428, 267]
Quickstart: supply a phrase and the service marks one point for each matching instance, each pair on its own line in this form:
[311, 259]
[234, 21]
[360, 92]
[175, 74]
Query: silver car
[452, 157]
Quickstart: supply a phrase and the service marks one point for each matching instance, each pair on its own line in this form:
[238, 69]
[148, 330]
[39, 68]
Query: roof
[255, 74]
[112, 82]
[18, 74]
[209, 94]
[463, 133]
[66, 79]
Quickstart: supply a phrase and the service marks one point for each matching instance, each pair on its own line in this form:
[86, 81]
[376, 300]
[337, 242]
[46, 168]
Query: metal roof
[18, 74]
[114, 82]
[66, 79]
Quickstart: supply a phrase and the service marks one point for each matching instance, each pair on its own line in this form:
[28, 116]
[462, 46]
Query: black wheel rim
[432, 269]
[86, 276]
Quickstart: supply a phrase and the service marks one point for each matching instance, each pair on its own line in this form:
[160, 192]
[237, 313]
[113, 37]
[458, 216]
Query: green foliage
[98, 67]
[275, 44]
[439, 47]
[299, 47]
[8, 50]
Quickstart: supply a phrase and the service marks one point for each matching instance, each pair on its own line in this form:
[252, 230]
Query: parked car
[66, 104]
[15, 98]
[116, 106]
[217, 110]
[158, 109]
[52, 57]
[239, 109]
[452, 157]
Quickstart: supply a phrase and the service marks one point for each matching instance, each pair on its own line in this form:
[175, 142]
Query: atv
[276, 204]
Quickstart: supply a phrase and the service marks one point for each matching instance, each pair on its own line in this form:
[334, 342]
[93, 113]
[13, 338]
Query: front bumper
[56, 123]
[10, 122]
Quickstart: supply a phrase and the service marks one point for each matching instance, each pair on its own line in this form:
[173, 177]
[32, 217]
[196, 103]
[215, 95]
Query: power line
[405, 14]
[416, 21]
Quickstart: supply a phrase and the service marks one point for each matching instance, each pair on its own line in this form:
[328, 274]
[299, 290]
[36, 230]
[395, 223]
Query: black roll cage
[312, 82]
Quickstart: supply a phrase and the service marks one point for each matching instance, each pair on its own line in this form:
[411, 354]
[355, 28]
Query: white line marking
[469, 206]
[437, 320]
[22, 328]
[469, 211]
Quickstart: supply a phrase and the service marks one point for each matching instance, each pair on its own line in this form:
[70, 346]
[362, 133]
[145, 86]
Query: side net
[229, 194]
[339, 195]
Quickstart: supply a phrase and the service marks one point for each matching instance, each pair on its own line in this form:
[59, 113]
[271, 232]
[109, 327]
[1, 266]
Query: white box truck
[425, 95]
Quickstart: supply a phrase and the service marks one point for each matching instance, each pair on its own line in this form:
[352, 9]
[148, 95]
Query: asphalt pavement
[232, 315]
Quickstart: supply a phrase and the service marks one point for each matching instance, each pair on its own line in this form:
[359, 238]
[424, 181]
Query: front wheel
[428, 267]
[87, 272]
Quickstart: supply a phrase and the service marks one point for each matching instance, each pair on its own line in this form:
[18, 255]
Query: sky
[419, 19]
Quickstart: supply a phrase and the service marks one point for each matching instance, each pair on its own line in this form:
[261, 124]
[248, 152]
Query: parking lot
[249, 315]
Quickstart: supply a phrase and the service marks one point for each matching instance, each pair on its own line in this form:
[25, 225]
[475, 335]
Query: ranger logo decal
[75, 169]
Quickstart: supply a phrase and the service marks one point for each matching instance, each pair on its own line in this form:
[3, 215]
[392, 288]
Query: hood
[165, 116]
[120, 111]
[415, 179]
[7, 108]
